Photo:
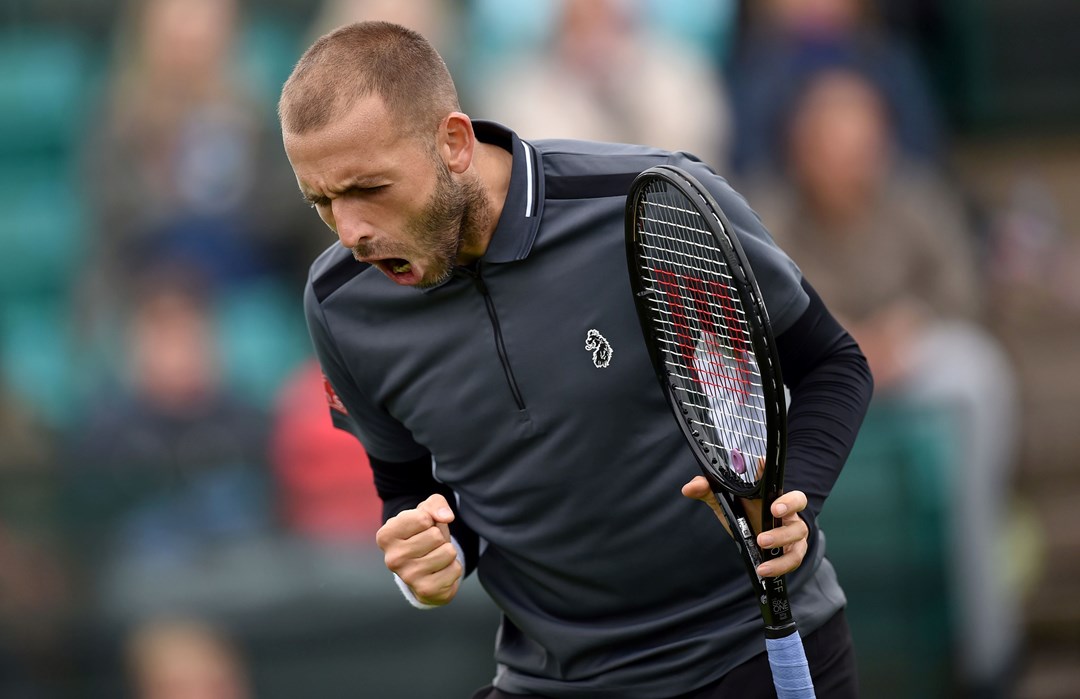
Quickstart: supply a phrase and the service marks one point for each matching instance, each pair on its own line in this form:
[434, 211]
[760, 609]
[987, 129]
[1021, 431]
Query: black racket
[710, 342]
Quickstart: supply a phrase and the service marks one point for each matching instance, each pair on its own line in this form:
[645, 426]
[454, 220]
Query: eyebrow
[359, 182]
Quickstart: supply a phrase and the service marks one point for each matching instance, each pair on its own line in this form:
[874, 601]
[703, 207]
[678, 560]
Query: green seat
[263, 338]
[269, 48]
[42, 90]
[37, 356]
[41, 230]
[886, 534]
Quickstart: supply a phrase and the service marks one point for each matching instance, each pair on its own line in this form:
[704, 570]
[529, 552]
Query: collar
[520, 218]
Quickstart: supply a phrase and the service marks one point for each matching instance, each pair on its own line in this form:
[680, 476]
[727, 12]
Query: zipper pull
[474, 274]
[481, 284]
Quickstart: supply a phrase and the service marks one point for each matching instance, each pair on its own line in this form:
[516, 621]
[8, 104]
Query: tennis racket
[708, 335]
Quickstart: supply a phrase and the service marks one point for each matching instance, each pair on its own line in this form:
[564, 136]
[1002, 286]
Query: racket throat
[745, 536]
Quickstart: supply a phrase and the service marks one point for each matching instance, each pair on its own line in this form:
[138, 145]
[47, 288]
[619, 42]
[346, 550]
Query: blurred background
[178, 519]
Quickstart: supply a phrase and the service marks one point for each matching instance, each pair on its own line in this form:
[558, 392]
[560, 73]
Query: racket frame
[772, 597]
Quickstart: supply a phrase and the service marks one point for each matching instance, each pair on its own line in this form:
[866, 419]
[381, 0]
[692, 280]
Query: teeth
[401, 269]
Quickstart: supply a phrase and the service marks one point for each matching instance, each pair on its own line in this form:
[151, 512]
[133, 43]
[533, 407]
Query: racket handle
[790, 671]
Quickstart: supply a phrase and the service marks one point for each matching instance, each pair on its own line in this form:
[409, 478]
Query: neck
[493, 165]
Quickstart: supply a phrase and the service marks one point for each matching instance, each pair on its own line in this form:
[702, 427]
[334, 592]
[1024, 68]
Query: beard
[453, 218]
[442, 226]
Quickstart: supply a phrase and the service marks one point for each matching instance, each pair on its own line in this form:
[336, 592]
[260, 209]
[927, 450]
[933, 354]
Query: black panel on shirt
[589, 186]
[337, 276]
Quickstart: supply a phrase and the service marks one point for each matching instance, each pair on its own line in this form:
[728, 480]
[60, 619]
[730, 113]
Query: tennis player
[478, 335]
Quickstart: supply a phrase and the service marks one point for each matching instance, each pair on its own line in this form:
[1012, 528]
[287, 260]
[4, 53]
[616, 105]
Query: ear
[457, 141]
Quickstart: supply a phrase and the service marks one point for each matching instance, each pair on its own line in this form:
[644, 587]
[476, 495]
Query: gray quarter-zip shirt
[527, 380]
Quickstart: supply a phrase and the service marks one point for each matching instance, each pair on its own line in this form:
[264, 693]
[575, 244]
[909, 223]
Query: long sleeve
[831, 385]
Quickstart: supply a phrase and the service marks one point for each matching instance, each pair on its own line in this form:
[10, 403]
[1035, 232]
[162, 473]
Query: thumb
[439, 509]
[697, 489]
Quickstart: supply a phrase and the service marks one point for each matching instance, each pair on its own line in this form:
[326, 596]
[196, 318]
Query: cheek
[327, 216]
[411, 217]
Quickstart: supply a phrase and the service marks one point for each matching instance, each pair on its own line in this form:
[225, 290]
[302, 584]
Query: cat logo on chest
[600, 348]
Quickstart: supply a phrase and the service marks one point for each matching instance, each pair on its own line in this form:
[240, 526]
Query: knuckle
[384, 539]
[386, 534]
[427, 588]
[433, 503]
[393, 560]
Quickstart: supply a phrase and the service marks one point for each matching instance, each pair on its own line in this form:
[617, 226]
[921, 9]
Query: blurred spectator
[325, 486]
[497, 28]
[26, 443]
[185, 659]
[35, 588]
[789, 39]
[171, 464]
[1033, 253]
[435, 19]
[709, 26]
[182, 164]
[607, 76]
[887, 249]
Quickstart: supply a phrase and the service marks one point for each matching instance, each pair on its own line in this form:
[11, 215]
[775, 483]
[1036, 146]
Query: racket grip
[790, 671]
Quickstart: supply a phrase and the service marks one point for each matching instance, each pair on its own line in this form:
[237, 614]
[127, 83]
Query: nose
[349, 222]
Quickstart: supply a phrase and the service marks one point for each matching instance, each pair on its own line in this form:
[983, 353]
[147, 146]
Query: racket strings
[698, 319]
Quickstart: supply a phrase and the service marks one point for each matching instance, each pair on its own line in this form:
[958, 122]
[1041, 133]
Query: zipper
[500, 345]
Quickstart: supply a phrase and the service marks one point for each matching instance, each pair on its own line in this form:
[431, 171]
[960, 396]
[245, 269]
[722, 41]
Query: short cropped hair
[357, 60]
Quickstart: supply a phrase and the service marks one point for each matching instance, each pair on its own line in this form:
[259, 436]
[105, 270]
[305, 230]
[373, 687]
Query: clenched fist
[416, 546]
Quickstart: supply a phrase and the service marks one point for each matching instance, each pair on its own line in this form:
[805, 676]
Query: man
[451, 324]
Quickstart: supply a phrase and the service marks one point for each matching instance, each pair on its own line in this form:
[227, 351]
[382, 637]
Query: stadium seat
[42, 90]
[269, 47]
[37, 355]
[886, 534]
[41, 230]
[263, 338]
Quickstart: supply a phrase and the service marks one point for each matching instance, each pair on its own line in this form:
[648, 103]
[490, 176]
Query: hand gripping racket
[708, 335]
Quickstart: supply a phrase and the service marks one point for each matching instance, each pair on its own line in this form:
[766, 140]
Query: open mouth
[399, 270]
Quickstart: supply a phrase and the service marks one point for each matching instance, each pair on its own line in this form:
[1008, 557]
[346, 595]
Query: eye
[315, 202]
[368, 191]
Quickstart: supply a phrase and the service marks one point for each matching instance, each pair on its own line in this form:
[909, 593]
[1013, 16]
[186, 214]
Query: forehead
[365, 140]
